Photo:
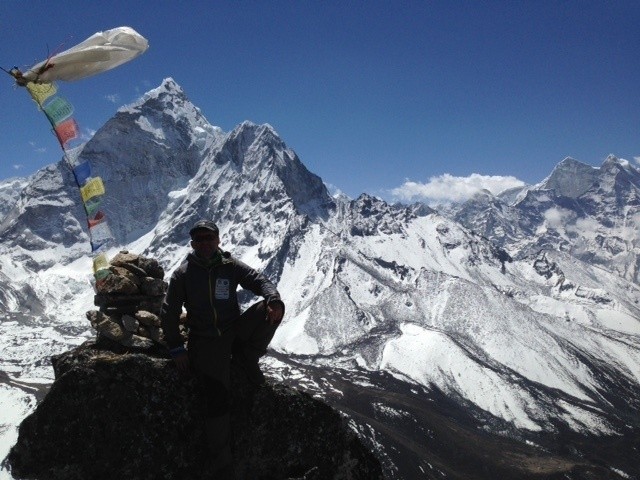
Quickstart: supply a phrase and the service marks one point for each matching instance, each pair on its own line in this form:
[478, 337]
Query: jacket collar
[219, 259]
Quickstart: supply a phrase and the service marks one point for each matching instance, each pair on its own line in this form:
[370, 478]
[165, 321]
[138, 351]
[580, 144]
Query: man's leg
[253, 332]
[210, 358]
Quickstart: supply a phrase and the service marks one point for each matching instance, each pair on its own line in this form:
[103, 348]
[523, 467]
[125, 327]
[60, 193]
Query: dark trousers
[245, 342]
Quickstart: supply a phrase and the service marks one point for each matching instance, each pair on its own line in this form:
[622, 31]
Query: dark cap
[204, 225]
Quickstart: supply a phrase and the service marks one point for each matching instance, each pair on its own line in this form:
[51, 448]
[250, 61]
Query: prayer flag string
[59, 112]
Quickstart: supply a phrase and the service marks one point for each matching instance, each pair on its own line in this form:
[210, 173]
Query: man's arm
[170, 318]
[257, 283]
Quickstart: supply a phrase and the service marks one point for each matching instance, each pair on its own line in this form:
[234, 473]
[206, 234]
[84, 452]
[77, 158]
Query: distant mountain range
[497, 339]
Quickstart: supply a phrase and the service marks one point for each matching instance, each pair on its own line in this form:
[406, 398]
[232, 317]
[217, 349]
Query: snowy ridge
[427, 302]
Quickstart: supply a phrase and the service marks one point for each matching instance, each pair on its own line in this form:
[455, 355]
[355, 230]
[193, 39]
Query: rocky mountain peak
[168, 108]
[613, 161]
[257, 156]
[370, 215]
[248, 133]
[166, 92]
[571, 178]
[614, 166]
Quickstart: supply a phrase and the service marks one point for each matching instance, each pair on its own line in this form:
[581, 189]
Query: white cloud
[17, 166]
[448, 188]
[113, 98]
[334, 190]
[36, 148]
[637, 160]
[558, 217]
[589, 227]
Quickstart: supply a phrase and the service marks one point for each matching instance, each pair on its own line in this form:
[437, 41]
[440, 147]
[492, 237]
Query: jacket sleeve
[172, 309]
[250, 279]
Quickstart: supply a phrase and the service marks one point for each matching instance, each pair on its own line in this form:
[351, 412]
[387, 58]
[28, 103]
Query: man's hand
[181, 360]
[275, 312]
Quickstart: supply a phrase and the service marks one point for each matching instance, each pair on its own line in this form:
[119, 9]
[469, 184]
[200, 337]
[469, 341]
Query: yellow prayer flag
[93, 188]
[41, 91]
[100, 263]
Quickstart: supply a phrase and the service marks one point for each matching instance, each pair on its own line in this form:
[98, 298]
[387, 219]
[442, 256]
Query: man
[205, 284]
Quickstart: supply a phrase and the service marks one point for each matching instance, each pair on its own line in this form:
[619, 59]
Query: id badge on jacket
[222, 289]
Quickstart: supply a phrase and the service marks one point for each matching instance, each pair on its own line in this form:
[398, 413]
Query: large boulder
[131, 415]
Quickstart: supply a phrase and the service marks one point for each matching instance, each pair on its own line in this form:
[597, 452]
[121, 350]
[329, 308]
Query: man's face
[205, 243]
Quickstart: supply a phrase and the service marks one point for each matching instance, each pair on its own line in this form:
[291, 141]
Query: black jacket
[209, 296]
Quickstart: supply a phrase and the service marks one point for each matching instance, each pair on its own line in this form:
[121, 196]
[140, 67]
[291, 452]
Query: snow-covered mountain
[9, 191]
[592, 213]
[517, 318]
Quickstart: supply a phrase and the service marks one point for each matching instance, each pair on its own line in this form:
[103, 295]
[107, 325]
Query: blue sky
[392, 98]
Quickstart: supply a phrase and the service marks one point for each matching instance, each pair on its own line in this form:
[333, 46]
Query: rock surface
[130, 415]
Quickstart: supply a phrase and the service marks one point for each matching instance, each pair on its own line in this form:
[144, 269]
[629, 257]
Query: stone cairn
[129, 294]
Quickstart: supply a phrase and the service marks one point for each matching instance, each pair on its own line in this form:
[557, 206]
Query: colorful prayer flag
[67, 131]
[91, 206]
[82, 173]
[71, 155]
[100, 262]
[93, 188]
[99, 235]
[99, 218]
[101, 275]
[57, 110]
[41, 91]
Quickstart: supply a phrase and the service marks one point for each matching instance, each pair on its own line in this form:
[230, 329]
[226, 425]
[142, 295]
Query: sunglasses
[208, 238]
